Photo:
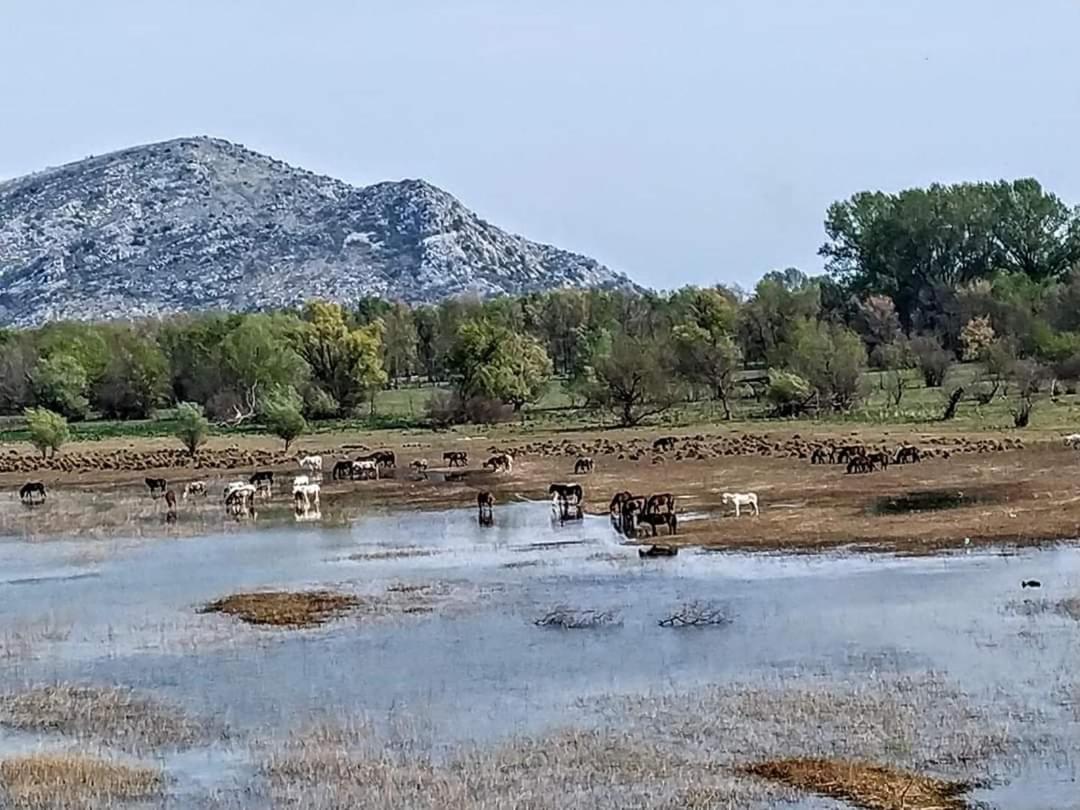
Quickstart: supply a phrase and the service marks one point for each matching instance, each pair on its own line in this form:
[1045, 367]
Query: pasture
[389, 651]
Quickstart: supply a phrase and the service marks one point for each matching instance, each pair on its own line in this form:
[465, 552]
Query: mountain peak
[202, 223]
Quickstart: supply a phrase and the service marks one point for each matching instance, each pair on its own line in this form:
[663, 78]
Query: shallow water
[125, 612]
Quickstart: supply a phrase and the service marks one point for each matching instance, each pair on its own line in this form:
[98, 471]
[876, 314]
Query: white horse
[312, 464]
[1073, 441]
[308, 495]
[741, 499]
[365, 469]
[300, 481]
[194, 488]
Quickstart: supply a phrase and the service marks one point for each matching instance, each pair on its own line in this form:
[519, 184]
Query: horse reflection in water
[566, 501]
[306, 500]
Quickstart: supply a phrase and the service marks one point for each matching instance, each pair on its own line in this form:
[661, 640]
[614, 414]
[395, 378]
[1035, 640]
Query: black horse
[456, 458]
[157, 486]
[30, 491]
[567, 493]
[342, 470]
[485, 503]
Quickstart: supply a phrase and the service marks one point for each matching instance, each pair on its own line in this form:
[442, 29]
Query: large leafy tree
[135, 378]
[832, 359]
[259, 354]
[634, 380]
[60, 384]
[491, 361]
[779, 301]
[345, 360]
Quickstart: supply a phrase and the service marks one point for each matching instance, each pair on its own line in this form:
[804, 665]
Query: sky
[682, 142]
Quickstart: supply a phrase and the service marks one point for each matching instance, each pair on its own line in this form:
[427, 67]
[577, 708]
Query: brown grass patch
[284, 608]
[874, 787]
[69, 782]
[116, 717]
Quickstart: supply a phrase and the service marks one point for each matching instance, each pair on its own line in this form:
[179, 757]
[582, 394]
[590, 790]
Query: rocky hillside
[198, 223]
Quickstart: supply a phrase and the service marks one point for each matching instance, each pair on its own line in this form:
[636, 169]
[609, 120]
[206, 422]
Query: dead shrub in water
[871, 786]
[115, 717]
[566, 618]
[284, 608]
[392, 554]
[43, 782]
[697, 614]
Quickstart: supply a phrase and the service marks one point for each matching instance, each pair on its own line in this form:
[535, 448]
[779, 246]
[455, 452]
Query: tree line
[915, 281]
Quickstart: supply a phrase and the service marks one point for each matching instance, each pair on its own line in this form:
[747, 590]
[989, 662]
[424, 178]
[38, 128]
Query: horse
[240, 499]
[419, 466]
[456, 458]
[664, 443]
[29, 492]
[262, 480]
[304, 496]
[656, 502]
[343, 469]
[157, 486]
[170, 500]
[741, 499]
[908, 455]
[485, 503]
[654, 519]
[566, 492]
[194, 488]
[500, 461]
[658, 551]
[312, 464]
[364, 469]
[583, 465]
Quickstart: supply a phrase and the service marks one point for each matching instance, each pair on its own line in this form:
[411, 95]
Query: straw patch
[70, 782]
[874, 787]
[284, 608]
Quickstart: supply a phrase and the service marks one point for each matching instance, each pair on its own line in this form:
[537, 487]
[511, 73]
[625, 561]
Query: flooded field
[434, 673]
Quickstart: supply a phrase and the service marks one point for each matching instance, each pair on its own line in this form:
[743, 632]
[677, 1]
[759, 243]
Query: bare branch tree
[566, 618]
[697, 614]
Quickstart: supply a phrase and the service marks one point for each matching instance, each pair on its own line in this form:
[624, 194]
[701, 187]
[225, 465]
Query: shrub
[192, 428]
[789, 393]
[318, 404]
[281, 415]
[932, 359]
[48, 430]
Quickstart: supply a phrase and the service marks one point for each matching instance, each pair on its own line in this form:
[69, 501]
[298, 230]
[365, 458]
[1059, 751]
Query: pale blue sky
[679, 141]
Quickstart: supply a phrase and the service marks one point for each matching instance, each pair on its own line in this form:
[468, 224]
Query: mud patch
[937, 500]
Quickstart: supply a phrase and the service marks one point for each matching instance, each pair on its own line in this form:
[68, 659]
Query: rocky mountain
[199, 223]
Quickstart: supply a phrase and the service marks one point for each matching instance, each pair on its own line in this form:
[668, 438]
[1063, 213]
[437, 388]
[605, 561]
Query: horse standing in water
[485, 504]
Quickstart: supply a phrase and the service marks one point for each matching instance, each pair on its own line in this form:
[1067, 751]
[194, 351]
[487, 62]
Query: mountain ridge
[201, 223]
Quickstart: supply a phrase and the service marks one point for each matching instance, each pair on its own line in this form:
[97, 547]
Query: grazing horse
[419, 466]
[313, 464]
[305, 498]
[384, 458]
[364, 469]
[194, 488]
[263, 481]
[654, 519]
[157, 486]
[617, 501]
[343, 469]
[240, 499]
[456, 458]
[170, 500]
[658, 551]
[908, 454]
[1073, 441]
[583, 465]
[485, 504]
[500, 461]
[657, 503]
[664, 443]
[741, 499]
[881, 459]
[822, 455]
[30, 491]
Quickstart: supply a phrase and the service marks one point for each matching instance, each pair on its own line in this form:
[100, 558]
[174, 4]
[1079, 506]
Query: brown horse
[485, 504]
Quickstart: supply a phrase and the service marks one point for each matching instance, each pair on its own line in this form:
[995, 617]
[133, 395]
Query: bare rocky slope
[199, 223]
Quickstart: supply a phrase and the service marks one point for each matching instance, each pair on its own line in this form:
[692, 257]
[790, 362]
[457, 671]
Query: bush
[318, 404]
[48, 430]
[281, 415]
[446, 408]
[59, 384]
[192, 428]
[932, 359]
[789, 393]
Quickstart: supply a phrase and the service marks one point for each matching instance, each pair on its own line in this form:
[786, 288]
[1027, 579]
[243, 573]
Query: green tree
[48, 429]
[399, 342]
[789, 393]
[780, 300]
[707, 358]
[192, 427]
[259, 354]
[832, 359]
[134, 380]
[490, 361]
[345, 361]
[59, 383]
[633, 380]
[282, 416]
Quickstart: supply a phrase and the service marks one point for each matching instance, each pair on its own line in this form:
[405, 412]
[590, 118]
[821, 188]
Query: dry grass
[284, 608]
[870, 786]
[392, 554]
[109, 716]
[70, 782]
[1069, 607]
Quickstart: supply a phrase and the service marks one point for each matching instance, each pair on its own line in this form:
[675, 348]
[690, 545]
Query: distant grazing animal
[364, 469]
[664, 502]
[240, 499]
[1031, 583]
[584, 465]
[419, 466]
[741, 499]
[500, 461]
[822, 455]
[170, 500]
[566, 493]
[485, 503]
[343, 469]
[664, 443]
[658, 551]
[262, 480]
[237, 487]
[860, 464]
[312, 464]
[157, 486]
[881, 459]
[194, 488]
[908, 455]
[456, 458]
[848, 452]
[384, 458]
[1073, 441]
[301, 481]
[654, 519]
[31, 491]
[617, 501]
